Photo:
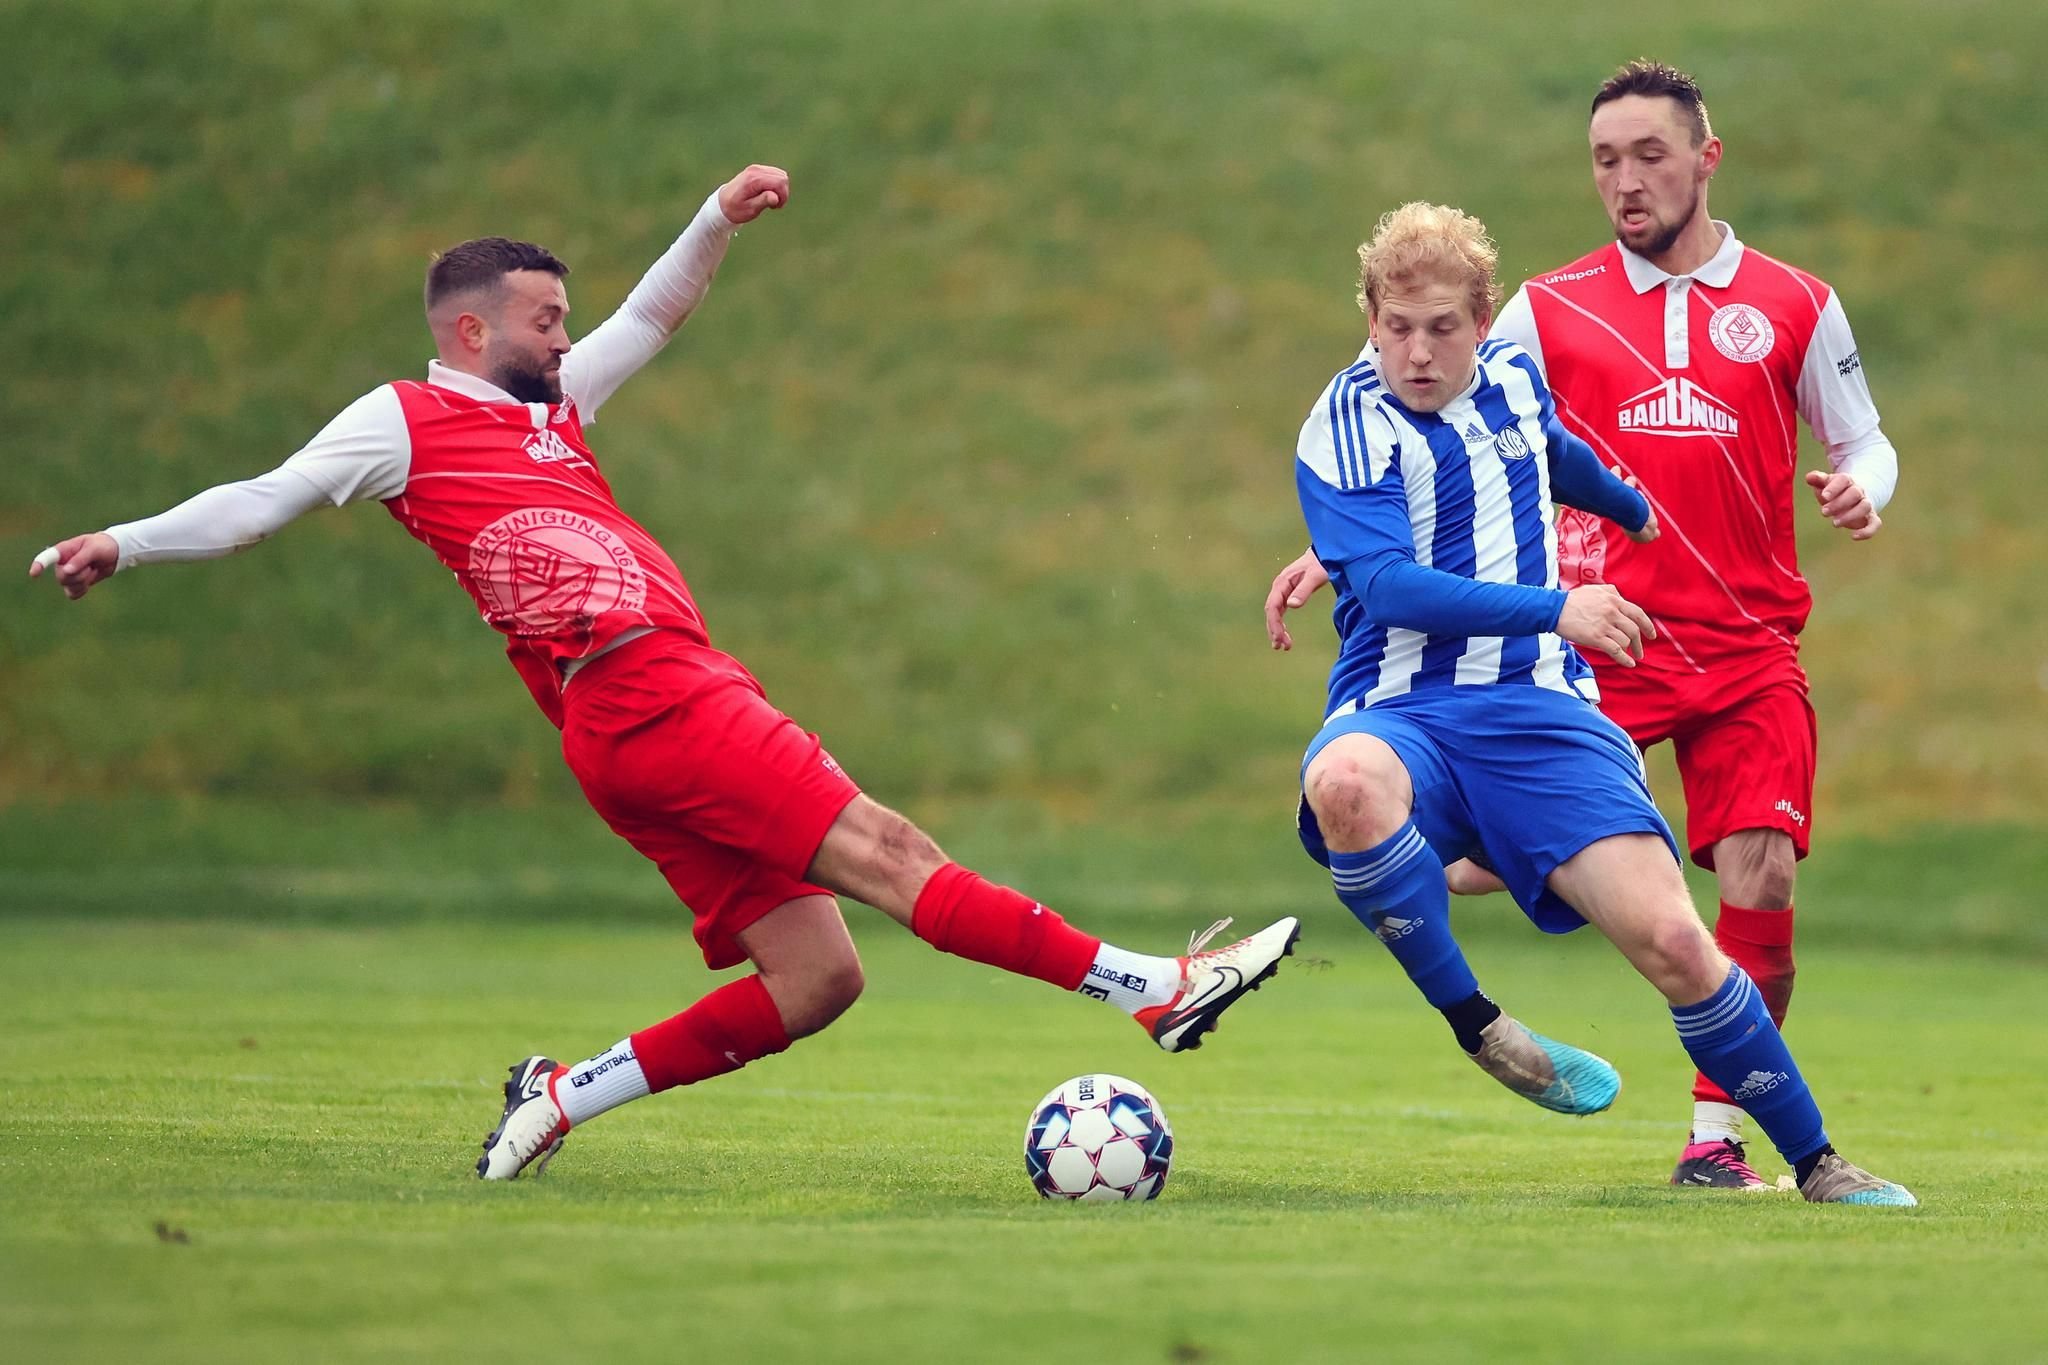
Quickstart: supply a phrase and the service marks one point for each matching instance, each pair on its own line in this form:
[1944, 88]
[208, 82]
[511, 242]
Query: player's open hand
[1843, 502]
[1293, 586]
[1649, 532]
[1599, 617]
[79, 562]
[753, 192]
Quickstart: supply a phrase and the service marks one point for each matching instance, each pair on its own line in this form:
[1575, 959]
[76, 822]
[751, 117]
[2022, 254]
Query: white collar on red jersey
[1717, 273]
[466, 384]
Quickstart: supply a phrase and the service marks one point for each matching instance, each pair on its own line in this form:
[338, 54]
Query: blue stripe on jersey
[1451, 549]
[1357, 387]
[1450, 490]
[1525, 495]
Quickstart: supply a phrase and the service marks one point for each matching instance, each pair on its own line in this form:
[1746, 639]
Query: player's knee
[1682, 960]
[1355, 799]
[826, 991]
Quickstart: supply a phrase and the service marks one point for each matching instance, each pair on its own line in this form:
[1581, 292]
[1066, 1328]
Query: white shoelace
[1197, 941]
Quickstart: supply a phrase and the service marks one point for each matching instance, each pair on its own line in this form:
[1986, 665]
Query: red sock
[735, 1024]
[959, 912]
[1759, 942]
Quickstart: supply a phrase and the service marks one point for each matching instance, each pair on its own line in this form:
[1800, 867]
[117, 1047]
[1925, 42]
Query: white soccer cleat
[531, 1129]
[1212, 981]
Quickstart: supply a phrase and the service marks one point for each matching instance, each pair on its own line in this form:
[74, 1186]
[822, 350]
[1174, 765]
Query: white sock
[1131, 981]
[604, 1082]
[1712, 1122]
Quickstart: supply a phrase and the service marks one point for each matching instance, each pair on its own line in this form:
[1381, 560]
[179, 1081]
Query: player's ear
[1710, 157]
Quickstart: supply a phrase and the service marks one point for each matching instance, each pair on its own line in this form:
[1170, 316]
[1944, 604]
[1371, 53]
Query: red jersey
[509, 498]
[1695, 385]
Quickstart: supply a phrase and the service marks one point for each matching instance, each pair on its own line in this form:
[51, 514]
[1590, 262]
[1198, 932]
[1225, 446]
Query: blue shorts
[1524, 776]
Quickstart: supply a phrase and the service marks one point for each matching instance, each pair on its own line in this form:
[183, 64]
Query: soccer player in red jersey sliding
[1685, 359]
[754, 825]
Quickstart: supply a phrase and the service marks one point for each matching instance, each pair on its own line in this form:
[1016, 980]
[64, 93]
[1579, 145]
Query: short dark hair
[1659, 80]
[483, 264]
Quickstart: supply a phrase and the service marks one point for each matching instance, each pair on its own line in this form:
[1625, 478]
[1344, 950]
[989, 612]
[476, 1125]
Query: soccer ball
[1098, 1137]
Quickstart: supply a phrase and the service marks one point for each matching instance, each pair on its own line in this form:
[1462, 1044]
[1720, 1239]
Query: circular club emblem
[1741, 332]
[542, 568]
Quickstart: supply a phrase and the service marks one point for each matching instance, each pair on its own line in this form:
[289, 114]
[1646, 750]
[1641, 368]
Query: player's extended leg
[1629, 886]
[877, 856]
[1362, 796]
[807, 974]
[1755, 868]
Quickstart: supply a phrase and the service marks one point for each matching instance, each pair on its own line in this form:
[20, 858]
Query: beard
[1665, 236]
[527, 380]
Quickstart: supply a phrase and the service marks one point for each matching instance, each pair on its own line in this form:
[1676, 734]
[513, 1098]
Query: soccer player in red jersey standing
[1686, 358]
[753, 824]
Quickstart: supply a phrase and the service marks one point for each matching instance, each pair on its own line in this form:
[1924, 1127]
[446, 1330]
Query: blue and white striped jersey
[1465, 492]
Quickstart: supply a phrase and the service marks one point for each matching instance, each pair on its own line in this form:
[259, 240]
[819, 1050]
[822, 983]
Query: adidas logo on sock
[1761, 1083]
[1392, 928]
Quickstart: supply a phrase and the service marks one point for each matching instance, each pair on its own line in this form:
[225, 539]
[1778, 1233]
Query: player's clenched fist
[80, 562]
[753, 192]
[1843, 502]
[1597, 616]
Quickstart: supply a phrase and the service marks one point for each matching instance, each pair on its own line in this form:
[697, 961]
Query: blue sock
[1397, 890]
[1733, 1042]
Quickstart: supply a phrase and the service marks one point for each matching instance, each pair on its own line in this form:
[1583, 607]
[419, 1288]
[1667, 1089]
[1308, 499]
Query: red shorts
[1745, 739]
[678, 749]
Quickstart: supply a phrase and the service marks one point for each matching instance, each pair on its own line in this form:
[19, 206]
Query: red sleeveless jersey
[1701, 406]
[509, 498]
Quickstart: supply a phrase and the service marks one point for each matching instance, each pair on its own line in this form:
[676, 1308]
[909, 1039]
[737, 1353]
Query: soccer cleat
[1557, 1076]
[1835, 1181]
[531, 1129]
[1212, 981]
[1717, 1165]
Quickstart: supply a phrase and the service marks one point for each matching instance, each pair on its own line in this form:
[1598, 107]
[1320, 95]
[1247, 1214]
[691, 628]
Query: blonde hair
[1432, 241]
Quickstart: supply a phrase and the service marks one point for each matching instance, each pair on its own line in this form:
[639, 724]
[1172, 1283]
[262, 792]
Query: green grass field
[303, 1106]
[296, 1095]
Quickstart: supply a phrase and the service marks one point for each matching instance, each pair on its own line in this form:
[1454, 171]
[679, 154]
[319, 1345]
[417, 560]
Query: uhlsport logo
[542, 568]
[1761, 1083]
[1741, 332]
[1677, 407]
[1787, 808]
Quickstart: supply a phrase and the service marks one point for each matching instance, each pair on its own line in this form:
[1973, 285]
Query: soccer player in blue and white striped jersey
[1427, 473]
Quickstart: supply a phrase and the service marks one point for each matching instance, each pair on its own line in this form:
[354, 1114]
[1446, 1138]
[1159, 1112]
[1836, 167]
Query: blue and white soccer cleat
[1557, 1076]
[1835, 1181]
[531, 1129]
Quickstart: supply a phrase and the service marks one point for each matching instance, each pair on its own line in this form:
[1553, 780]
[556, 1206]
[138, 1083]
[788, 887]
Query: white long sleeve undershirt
[366, 451]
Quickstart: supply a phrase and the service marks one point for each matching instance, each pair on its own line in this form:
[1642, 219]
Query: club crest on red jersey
[543, 568]
[1741, 332]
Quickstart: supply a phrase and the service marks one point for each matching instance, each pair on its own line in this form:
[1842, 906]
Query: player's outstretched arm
[1292, 587]
[670, 290]
[217, 522]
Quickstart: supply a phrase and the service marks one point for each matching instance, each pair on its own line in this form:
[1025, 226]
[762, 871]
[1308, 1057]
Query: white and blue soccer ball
[1098, 1137]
